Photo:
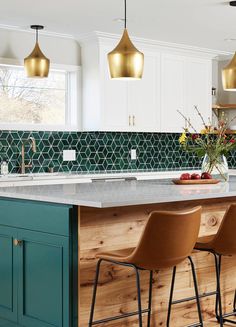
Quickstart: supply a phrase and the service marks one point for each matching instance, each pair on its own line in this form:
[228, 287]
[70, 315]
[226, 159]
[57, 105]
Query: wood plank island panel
[121, 227]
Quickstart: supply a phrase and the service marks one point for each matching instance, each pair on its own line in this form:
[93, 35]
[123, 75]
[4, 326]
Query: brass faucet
[32, 143]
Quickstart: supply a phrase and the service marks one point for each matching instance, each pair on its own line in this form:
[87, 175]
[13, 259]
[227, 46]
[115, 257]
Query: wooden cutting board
[195, 181]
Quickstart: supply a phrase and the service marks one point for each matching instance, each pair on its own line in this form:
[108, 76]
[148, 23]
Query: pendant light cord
[37, 35]
[125, 13]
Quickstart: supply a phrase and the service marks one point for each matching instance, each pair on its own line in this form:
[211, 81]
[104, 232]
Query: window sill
[48, 128]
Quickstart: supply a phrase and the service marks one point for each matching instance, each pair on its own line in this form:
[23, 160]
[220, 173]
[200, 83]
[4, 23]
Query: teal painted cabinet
[43, 299]
[8, 274]
[36, 277]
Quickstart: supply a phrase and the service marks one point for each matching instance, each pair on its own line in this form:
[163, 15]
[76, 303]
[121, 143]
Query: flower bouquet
[212, 143]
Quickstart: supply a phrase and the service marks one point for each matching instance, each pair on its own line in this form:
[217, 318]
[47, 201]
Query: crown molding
[98, 35]
[54, 66]
[43, 32]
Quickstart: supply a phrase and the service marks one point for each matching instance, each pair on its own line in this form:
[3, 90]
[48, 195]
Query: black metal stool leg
[139, 312]
[219, 314]
[139, 297]
[217, 293]
[171, 296]
[234, 302]
[94, 292]
[196, 291]
[150, 299]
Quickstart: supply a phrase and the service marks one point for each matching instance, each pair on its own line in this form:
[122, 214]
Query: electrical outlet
[69, 155]
[133, 154]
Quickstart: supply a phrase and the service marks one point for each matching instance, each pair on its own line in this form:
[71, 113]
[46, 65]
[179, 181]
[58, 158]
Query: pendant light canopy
[36, 64]
[229, 75]
[125, 61]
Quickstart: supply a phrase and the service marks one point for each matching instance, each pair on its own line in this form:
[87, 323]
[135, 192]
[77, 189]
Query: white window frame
[73, 113]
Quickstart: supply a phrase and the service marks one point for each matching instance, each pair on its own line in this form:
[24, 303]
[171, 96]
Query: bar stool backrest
[168, 238]
[225, 240]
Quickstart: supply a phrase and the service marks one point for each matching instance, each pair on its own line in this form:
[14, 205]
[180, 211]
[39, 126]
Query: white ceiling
[204, 23]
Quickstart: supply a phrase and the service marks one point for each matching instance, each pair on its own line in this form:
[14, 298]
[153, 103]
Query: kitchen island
[50, 235]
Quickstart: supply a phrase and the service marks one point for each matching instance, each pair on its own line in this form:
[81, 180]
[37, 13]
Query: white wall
[19, 44]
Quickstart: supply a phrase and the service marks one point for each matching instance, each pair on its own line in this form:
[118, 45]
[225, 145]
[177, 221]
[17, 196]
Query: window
[38, 104]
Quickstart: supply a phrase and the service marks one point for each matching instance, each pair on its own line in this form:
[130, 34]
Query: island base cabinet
[8, 276]
[35, 267]
[43, 280]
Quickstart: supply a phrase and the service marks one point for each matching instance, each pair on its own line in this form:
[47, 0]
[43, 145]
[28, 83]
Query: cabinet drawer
[36, 216]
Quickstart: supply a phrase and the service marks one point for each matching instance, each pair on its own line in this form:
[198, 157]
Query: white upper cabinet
[198, 90]
[185, 83]
[172, 92]
[172, 80]
[114, 109]
[144, 97]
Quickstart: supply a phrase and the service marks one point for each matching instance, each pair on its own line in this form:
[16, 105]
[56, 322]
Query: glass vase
[216, 166]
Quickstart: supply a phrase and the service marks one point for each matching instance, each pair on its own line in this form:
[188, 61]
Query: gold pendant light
[229, 72]
[36, 64]
[229, 75]
[125, 61]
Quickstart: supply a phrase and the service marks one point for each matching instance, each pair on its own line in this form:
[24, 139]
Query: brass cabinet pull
[129, 120]
[133, 120]
[17, 242]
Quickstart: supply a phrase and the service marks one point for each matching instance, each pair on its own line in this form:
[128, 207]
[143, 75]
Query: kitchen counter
[103, 194]
[74, 178]
[62, 227]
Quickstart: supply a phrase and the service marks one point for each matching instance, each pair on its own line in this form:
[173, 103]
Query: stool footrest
[125, 315]
[230, 314]
[230, 321]
[191, 298]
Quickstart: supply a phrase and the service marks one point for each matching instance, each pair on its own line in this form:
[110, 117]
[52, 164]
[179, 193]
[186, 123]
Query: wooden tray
[195, 181]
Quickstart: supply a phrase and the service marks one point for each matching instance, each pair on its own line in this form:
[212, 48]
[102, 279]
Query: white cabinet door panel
[144, 97]
[172, 92]
[198, 90]
[113, 99]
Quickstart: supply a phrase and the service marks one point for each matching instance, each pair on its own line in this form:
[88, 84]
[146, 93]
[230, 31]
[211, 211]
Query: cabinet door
[43, 299]
[113, 99]
[144, 97]
[198, 90]
[8, 274]
[172, 92]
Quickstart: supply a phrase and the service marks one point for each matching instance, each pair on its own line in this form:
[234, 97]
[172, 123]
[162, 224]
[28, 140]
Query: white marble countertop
[73, 178]
[102, 194]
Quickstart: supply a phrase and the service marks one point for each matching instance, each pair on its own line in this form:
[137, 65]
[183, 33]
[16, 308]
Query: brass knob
[17, 242]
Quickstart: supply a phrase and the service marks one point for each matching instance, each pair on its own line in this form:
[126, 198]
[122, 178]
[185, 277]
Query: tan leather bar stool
[221, 244]
[168, 239]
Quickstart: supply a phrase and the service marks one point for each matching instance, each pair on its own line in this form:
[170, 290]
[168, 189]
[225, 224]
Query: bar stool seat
[204, 242]
[221, 244]
[167, 239]
[118, 255]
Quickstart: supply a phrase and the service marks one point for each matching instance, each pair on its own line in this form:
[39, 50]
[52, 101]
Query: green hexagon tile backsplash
[99, 151]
